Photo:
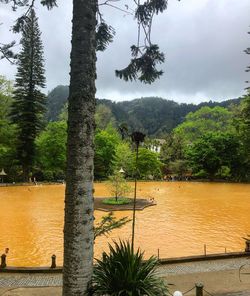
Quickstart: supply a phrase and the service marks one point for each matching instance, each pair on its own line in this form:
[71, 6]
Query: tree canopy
[7, 130]
[205, 119]
[213, 154]
[51, 151]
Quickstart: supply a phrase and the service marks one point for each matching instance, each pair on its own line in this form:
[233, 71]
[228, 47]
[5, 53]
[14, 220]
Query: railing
[198, 287]
[53, 265]
[205, 249]
[4, 261]
[199, 291]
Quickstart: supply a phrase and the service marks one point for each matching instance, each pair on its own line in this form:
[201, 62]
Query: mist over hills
[153, 115]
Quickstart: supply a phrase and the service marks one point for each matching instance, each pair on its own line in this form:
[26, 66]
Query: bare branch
[107, 3]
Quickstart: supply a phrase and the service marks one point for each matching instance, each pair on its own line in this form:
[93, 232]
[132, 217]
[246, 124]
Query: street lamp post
[137, 138]
[2, 174]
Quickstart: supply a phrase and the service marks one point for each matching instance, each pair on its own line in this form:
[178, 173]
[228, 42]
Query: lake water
[187, 216]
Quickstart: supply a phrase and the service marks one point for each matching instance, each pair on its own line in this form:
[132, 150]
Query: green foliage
[49, 3]
[124, 273]
[123, 158]
[105, 146]
[148, 164]
[56, 101]
[7, 130]
[104, 35]
[179, 167]
[224, 172]
[109, 223]
[29, 103]
[116, 201]
[145, 55]
[214, 154]
[143, 67]
[7, 53]
[51, 150]
[154, 116]
[245, 120]
[172, 149]
[206, 119]
[112, 153]
[63, 116]
[118, 186]
[244, 131]
[103, 117]
[6, 89]
[211, 140]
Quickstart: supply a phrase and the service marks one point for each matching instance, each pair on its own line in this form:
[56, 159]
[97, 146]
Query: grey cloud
[204, 51]
[203, 42]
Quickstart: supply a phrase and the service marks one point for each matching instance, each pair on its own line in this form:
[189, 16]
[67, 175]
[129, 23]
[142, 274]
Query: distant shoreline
[130, 181]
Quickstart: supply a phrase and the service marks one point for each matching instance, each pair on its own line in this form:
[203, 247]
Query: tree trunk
[78, 227]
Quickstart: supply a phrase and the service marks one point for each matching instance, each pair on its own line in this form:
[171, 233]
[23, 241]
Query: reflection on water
[187, 216]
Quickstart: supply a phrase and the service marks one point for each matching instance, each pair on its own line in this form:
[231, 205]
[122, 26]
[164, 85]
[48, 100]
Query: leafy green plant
[124, 273]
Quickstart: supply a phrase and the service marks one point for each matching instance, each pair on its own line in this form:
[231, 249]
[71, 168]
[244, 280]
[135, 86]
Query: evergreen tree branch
[108, 223]
[146, 56]
[104, 35]
[7, 53]
[49, 3]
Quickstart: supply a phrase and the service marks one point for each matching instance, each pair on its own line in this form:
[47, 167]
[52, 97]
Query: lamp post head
[2, 173]
[177, 293]
[121, 171]
[137, 138]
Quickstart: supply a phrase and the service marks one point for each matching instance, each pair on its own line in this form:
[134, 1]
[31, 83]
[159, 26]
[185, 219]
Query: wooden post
[247, 249]
[53, 261]
[199, 289]
[205, 249]
[3, 261]
[158, 254]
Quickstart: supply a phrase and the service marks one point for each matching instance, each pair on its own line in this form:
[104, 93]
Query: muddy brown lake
[187, 216]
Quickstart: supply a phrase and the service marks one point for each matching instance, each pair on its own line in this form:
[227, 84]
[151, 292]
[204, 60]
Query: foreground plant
[124, 273]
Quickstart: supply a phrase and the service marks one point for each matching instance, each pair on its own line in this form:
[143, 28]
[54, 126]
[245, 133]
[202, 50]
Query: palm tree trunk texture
[78, 227]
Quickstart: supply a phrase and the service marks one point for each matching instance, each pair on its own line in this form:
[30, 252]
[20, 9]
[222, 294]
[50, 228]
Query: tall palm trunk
[78, 227]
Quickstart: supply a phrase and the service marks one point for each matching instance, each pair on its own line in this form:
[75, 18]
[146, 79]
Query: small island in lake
[141, 204]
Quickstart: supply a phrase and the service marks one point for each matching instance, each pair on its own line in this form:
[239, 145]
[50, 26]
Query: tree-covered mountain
[153, 115]
[56, 99]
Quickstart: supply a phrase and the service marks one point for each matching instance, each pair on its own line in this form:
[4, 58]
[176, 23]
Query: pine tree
[29, 102]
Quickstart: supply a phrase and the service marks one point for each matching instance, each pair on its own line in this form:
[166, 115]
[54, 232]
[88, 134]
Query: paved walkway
[203, 266]
[30, 280]
[220, 278]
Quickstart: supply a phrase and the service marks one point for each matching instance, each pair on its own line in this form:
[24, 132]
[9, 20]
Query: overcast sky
[203, 41]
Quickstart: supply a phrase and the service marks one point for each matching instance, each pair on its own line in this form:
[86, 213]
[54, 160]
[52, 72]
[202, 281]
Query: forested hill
[153, 115]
